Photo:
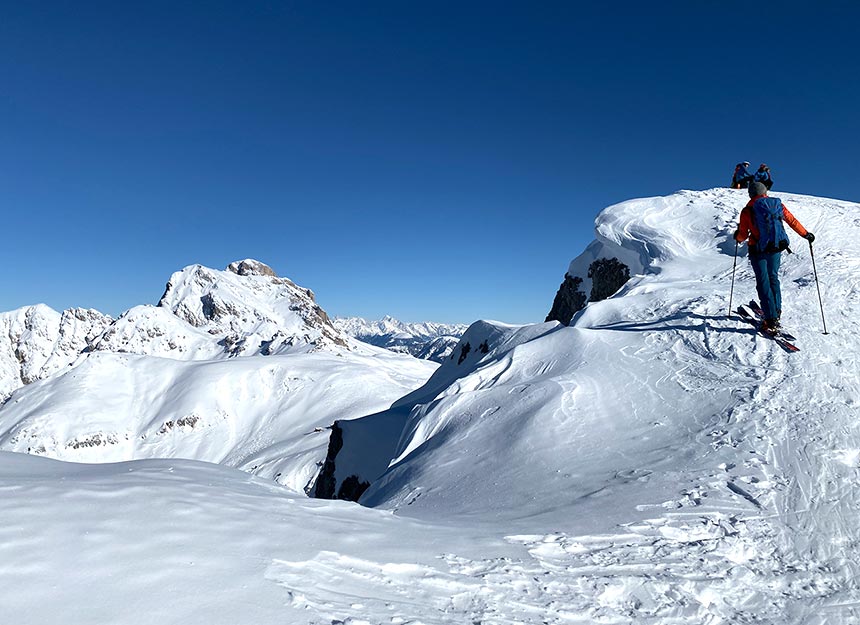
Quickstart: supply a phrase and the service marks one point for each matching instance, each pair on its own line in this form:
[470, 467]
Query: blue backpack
[767, 213]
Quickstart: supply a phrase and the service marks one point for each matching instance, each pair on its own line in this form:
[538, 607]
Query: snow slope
[159, 542]
[266, 415]
[635, 372]
[656, 462]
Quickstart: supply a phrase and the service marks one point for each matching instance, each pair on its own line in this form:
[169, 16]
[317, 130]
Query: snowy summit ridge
[37, 341]
[659, 460]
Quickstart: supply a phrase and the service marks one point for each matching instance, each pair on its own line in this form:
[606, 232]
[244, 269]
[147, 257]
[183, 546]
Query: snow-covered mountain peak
[203, 314]
[250, 308]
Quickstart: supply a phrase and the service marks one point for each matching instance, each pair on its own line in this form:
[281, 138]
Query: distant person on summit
[761, 223]
[763, 176]
[742, 177]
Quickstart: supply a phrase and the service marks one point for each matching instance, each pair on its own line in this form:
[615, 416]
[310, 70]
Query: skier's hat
[756, 189]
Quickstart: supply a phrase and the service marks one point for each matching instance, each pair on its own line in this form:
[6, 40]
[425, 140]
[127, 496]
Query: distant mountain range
[428, 340]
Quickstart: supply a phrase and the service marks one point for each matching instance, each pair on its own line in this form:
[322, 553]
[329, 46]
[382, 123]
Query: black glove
[809, 237]
[737, 235]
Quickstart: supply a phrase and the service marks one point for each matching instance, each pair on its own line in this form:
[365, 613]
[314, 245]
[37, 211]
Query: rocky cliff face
[37, 341]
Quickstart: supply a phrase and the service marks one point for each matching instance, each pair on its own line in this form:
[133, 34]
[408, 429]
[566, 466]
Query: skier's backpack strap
[767, 212]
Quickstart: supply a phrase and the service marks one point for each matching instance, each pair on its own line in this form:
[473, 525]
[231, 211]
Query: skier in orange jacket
[761, 223]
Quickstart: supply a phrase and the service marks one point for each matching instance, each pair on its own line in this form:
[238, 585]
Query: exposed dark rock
[208, 303]
[95, 440]
[464, 352]
[352, 488]
[568, 300]
[326, 483]
[607, 276]
[250, 268]
[189, 421]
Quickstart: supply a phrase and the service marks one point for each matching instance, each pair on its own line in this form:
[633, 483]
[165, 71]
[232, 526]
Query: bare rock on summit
[251, 267]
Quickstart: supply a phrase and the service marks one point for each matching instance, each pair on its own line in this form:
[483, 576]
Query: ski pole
[734, 264]
[815, 273]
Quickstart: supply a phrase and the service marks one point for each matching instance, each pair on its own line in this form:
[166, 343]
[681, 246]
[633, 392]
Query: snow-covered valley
[656, 461]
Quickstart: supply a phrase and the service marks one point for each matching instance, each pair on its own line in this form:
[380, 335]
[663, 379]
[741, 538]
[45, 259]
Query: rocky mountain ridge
[203, 314]
[37, 341]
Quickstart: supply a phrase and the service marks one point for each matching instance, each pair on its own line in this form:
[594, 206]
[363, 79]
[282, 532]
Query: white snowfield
[267, 415]
[656, 462]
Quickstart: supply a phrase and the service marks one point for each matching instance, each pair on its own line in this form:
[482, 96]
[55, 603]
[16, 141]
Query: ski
[779, 339]
[754, 306]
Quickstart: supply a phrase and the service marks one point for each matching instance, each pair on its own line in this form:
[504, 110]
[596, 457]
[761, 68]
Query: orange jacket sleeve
[791, 220]
[745, 227]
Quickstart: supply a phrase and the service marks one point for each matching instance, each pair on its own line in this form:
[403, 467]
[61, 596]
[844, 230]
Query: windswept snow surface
[656, 462]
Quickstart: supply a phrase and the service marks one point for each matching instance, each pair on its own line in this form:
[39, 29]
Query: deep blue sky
[433, 160]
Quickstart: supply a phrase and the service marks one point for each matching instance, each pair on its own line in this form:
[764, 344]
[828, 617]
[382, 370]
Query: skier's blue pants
[766, 268]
